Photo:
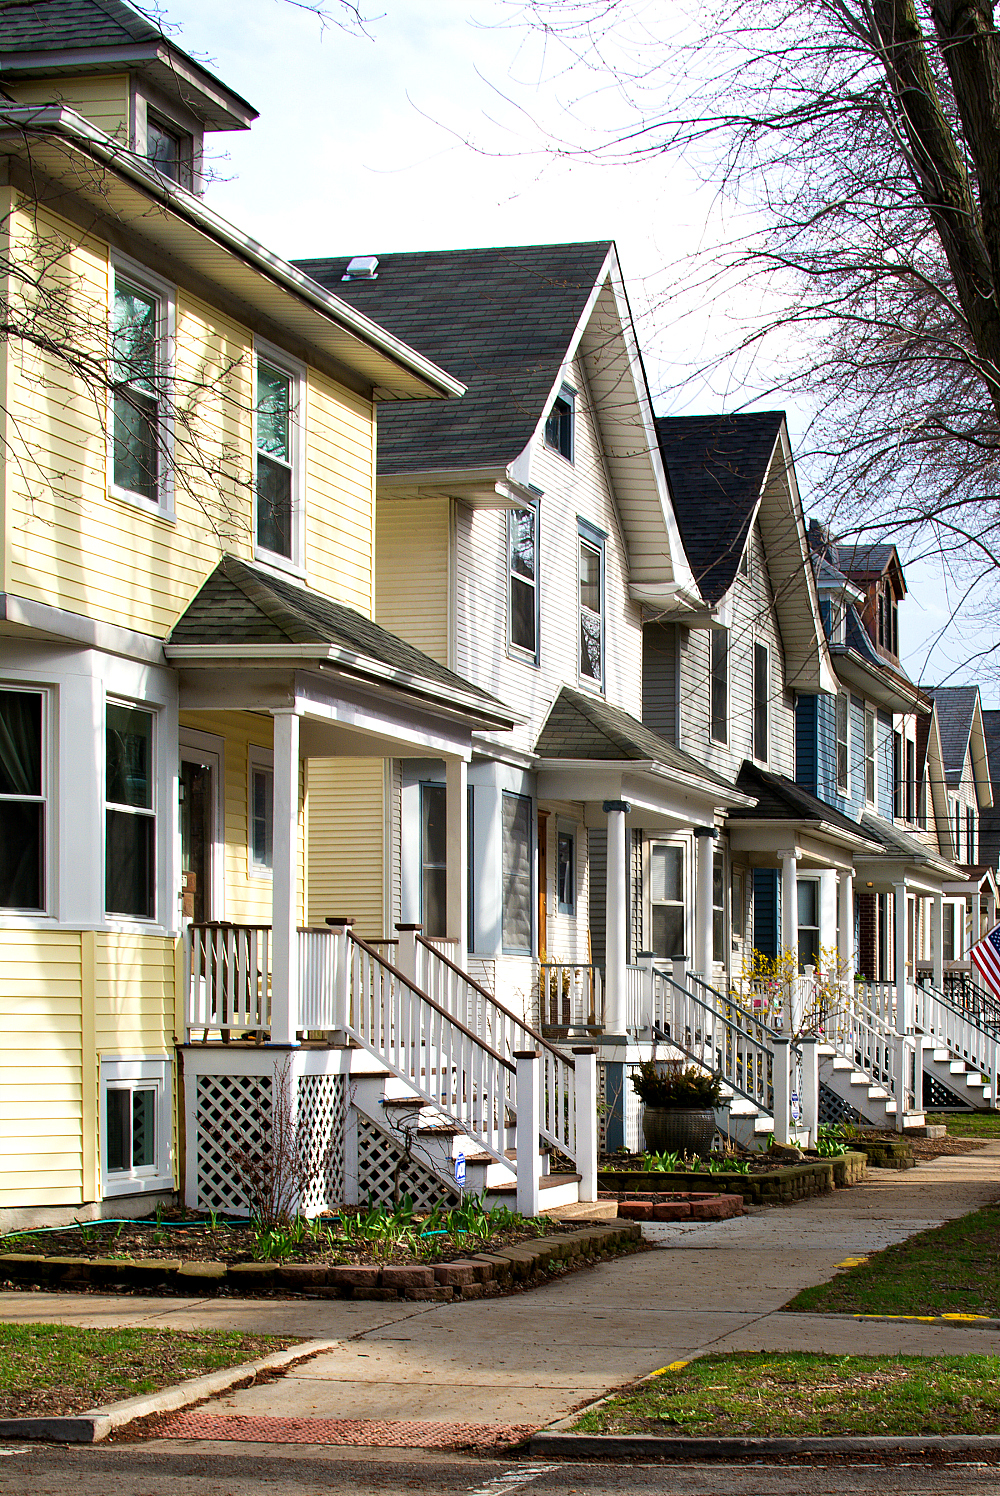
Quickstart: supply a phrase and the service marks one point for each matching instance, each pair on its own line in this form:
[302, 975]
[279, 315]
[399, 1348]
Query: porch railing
[717, 1033]
[480, 1012]
[229, 979]
[570, 998]
[957, 1030]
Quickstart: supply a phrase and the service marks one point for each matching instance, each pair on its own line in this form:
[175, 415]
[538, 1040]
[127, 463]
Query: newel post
[810, 1085]
[586, 1122]
[341, 964]
[647, 1013]
[406, 950]
[780, 1081]
[529, 1121]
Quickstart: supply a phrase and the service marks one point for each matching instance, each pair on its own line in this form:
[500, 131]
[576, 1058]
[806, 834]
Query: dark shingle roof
[65, 25]
[238, 604]
[955, 706]
[717, 466]
[861, 560]
[899, 843]
[588, 727]
[781, 799]
[501, 320]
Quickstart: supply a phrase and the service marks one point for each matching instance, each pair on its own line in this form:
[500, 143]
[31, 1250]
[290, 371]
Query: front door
[198, 810]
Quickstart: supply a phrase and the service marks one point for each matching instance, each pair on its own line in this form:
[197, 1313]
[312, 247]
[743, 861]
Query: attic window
[169, 151]
[559, 425]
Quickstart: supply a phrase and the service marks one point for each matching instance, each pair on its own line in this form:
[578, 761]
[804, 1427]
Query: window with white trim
[135, 1125]
[142, 314]
[260, 810]
[559, 422]
[23, 793]
[761, 696]
[720, 685]
[870, 784]
[566, 872]
[277, 458]
[130, 812]
[718, 907]
[522, 556]
[434, 859]
[518, 881]
[911, 780]
[807, 893]
[170, 149]
[666, 895]
[591, 583]
[842, 743]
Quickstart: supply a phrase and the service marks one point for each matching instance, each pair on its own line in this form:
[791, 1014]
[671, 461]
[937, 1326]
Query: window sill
[131, 1184]
[523, 656]
[164, 512]
[281, 566]
[588, 683]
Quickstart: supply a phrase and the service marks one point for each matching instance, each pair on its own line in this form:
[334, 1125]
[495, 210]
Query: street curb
[97, 1423]
[936, 1321]
[654, 1446]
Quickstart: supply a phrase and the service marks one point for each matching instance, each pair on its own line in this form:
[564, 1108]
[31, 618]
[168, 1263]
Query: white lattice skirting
[322, 1117]
[378, 1155]
[234, 1111]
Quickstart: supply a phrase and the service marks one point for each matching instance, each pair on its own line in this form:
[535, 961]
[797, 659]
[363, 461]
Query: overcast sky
[362, 147]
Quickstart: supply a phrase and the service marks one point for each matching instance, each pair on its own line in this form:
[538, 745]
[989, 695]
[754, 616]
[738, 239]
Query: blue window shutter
[766, 910]
[805, 743]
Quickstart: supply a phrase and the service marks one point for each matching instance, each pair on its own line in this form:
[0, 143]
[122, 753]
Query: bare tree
[858, 143]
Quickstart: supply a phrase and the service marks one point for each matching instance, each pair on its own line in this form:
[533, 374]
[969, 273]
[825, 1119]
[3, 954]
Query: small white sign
[796, 1109]
[460, 1171]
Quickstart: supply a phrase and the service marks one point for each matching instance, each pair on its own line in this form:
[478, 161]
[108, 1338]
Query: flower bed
[777, 1185]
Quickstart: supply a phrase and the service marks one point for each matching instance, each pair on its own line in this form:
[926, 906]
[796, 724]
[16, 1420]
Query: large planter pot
[672, 1130]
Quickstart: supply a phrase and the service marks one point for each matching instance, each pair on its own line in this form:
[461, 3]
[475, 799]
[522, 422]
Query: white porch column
[845, 933]
[810, 1087]
[616, 933]
[790, 902]
[827, 912]
[705, 849]
[586, 1121]
[780, 1082]
[529, 1120]
[991, 912]
[904, 1001]
[937, 942]
[457, 869]
[285, 879]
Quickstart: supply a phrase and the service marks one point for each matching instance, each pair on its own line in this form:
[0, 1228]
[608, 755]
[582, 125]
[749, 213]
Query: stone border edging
[444, 1282]
[817, 1176]
[656, 1446]
[97, 1423]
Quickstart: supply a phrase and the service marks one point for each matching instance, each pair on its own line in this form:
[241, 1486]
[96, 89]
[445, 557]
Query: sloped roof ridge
[42, 25]
[292, 621]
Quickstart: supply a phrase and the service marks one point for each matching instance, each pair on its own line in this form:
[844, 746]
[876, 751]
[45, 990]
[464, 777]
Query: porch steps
[969, 1084]
[875, 1105]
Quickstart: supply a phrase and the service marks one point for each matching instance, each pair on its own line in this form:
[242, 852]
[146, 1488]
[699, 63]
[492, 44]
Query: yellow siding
[41, 1077]
[346, 843]
[412, 561]
[103, 101]
[74, 546]
[134, 995]
[340, 475]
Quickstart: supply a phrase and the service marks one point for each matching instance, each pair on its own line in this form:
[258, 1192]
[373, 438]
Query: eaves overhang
[719, 794]
[480, 488]
[453, 702]
[119, 186]
[799, 827]
[889, 691]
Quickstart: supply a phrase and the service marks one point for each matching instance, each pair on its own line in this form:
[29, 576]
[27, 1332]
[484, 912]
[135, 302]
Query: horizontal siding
[104, 101]
[659, 678]
[41, 1067]
[346, 839]
[340, 477]
[413, 572]
[134, 994]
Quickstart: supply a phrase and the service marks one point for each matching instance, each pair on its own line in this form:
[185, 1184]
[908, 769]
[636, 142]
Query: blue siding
[805, 742]
[883, 765]
[766, 910]
[857, 749]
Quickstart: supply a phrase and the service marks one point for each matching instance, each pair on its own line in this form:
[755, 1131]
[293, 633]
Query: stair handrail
[977, 1046]
[732, 1002]
[734, 1033]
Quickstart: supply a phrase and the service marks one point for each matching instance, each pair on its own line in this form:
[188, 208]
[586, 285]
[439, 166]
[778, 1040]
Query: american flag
[986, 956]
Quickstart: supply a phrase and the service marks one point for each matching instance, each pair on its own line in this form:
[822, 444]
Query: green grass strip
[951, 1269]
[969, 1124]
[59, 1369]
[777, 1394]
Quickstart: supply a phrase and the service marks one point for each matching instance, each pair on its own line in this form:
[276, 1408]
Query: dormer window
[559, 425]
[169, 150]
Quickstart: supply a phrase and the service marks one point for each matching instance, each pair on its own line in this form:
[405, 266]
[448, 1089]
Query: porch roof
[901, 844]
[782, 800]
[581, 727]
[243, 616]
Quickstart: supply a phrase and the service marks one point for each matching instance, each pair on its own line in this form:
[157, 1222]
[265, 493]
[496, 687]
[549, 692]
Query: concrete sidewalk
[530, 1358]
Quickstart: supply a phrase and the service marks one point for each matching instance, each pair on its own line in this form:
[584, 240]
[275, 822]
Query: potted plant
[680, 1104]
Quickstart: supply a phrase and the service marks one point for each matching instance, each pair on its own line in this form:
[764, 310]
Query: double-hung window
[141, 325]
[842, 743]
[261, 810]
[720, 685]
[22, 800]
[517, 874]
[591, 579]
[666, 890]
[761, 695]
[970, 836]
[718, 908]
[130, 812]
[911, 780]
[807, 894]
[277, 457]
[434, 859]
[897, 776]
[522, 543]
[869, 756]
[566, 872]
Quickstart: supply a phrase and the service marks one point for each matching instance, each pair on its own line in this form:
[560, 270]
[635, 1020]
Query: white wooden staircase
[960, 1047]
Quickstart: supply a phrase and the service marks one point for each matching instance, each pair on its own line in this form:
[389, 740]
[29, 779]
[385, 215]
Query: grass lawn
[56, 1369]
[952, 1269]
[793, 1393]
[969, 1124]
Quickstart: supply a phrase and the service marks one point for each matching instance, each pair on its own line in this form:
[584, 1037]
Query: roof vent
[361, 268]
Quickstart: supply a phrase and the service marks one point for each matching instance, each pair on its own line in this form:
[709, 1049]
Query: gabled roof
[244, 614]
[960, 721]
[781, 799]
[580, 726]
[861, 667]
[717, 466]
[40, 38]
[500, 320]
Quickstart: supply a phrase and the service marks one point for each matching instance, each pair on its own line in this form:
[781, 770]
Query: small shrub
[670, 1084]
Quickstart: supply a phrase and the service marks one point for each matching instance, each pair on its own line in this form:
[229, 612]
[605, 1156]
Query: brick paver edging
[648, 1447]
[507, 1267]
[780, 1187]
[363, 1432]
[679, 1206]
